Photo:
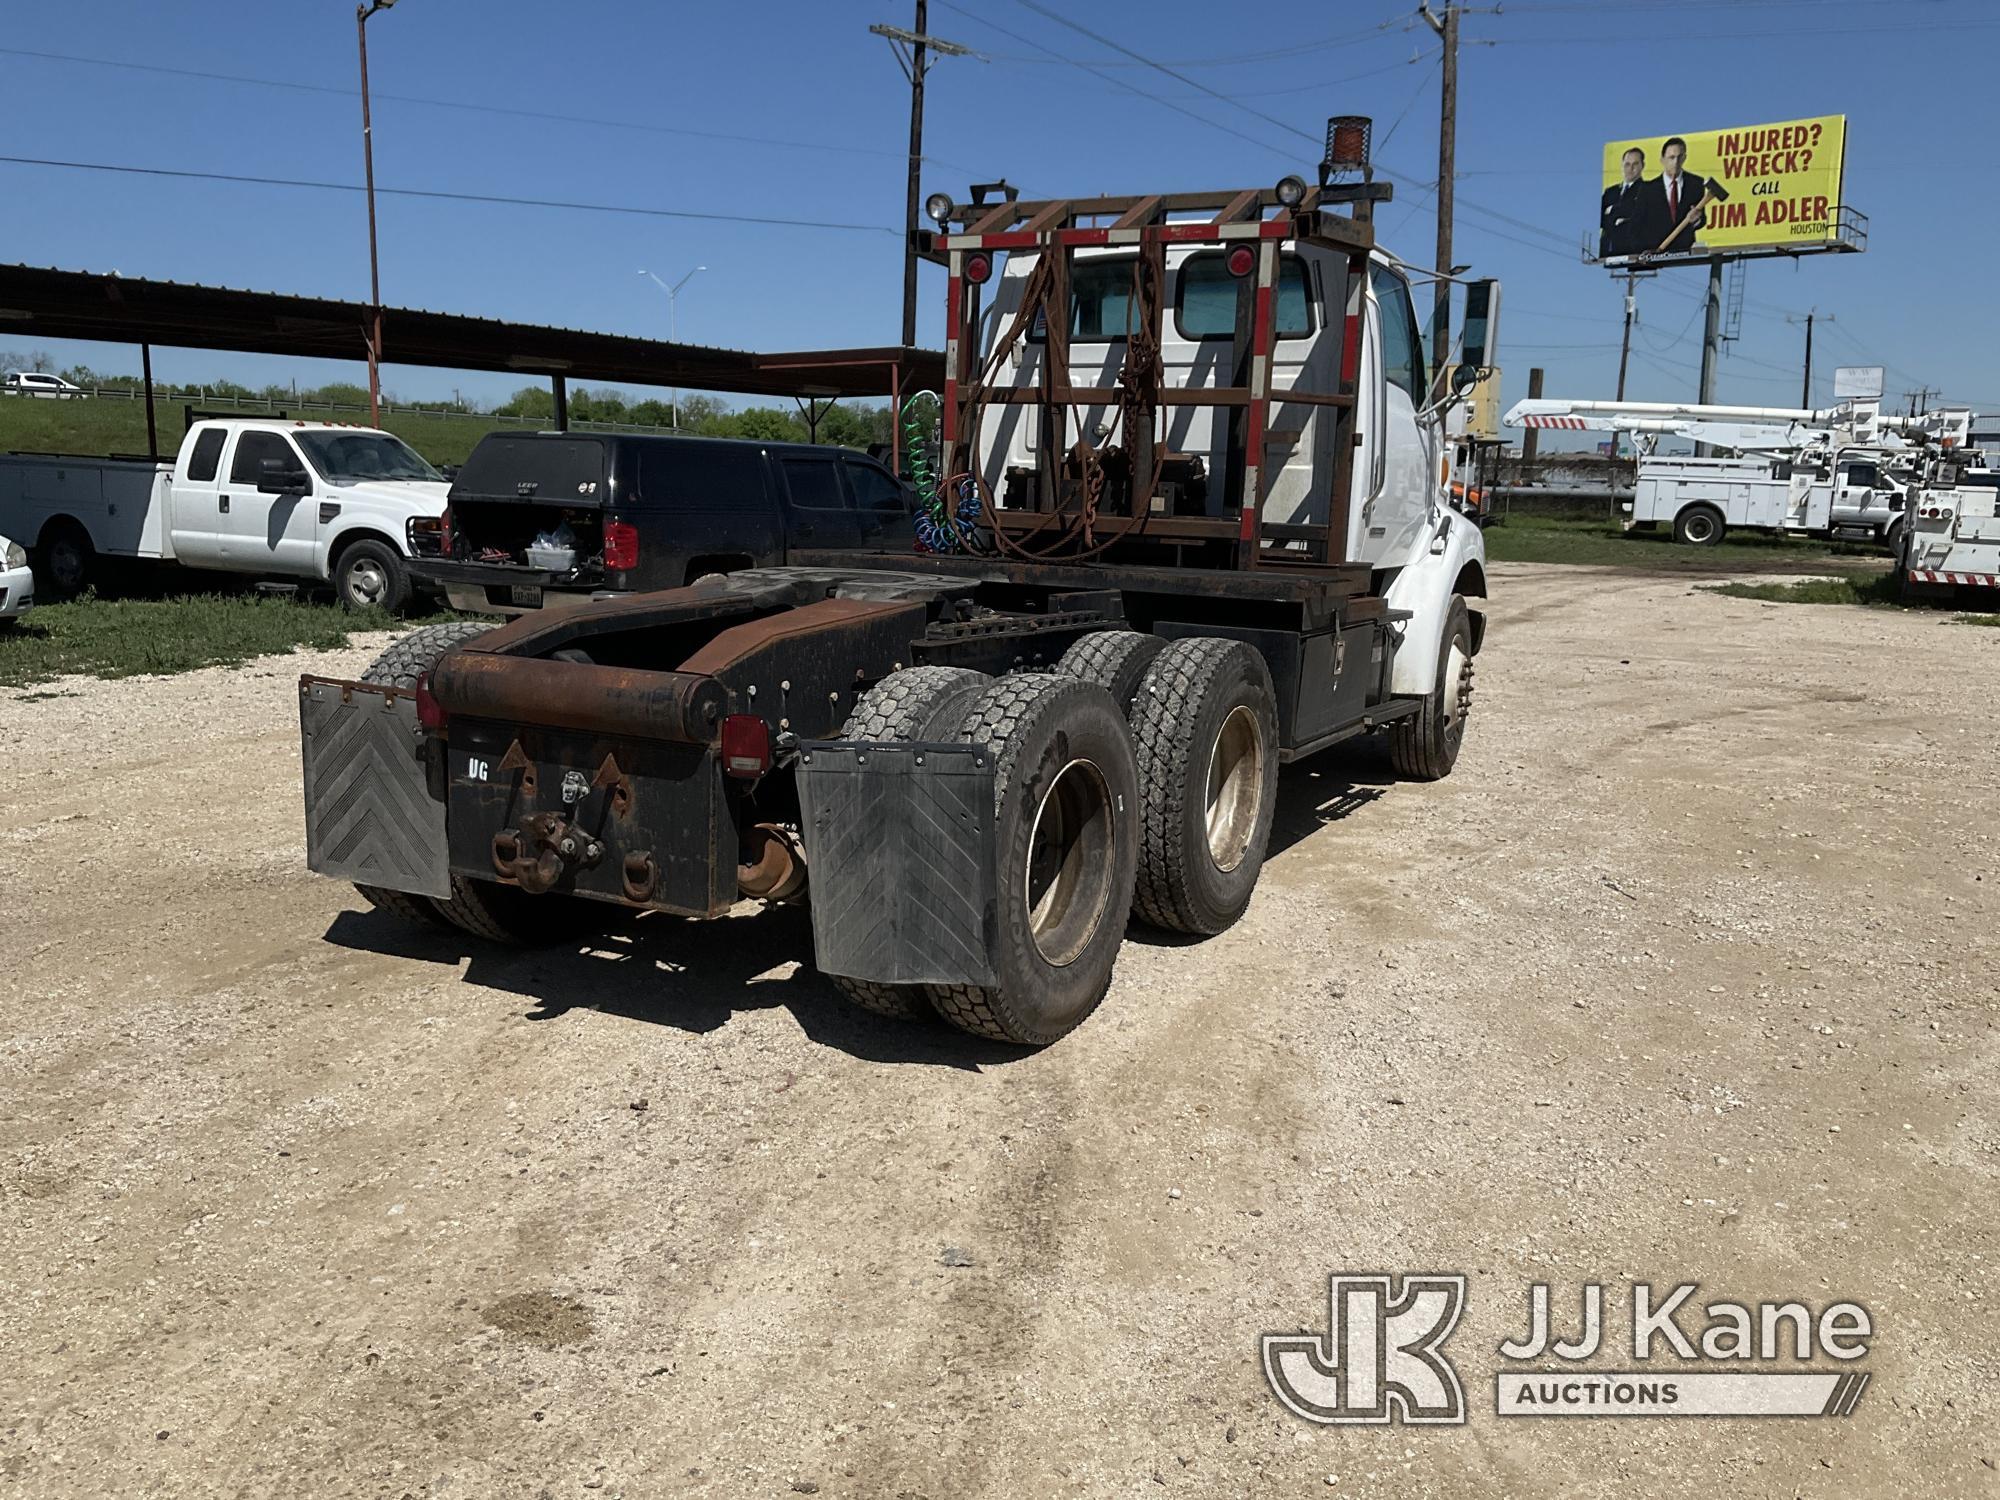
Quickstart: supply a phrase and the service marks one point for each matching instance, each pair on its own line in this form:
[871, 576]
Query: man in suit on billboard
[1623, 215]
[1671, 197]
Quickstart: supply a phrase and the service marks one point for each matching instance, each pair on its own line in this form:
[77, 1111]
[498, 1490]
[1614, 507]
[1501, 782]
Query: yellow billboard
[1750, 187]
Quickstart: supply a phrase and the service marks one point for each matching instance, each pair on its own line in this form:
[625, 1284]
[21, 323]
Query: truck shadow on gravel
[693, 976]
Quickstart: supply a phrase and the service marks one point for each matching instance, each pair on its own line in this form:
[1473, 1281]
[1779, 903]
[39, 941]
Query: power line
[1380, 31]
[1710, 38]
[1101, 75]
[466, 106]
[355, 187]
[1104, 41]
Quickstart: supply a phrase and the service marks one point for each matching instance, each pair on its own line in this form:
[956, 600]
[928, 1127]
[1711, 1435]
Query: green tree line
[846, 425]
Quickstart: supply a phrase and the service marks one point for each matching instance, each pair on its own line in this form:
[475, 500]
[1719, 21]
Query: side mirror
[1482, 324]
[279, 480]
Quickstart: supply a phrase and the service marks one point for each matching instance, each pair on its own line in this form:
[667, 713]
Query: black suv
[540, 518]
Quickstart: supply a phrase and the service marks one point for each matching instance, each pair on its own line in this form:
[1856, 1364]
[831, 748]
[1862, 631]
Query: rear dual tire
[1699, 526]
[1205, 729]
[922, 703]
[1066, 796]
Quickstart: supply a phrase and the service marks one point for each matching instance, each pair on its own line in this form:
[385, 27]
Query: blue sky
[792, 108]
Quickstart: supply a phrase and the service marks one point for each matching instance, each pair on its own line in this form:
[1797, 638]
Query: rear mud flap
[900, 842]
[370, 815]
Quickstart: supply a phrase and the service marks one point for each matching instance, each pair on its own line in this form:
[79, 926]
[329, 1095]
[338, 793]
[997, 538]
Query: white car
[17, 584]
[34, 383]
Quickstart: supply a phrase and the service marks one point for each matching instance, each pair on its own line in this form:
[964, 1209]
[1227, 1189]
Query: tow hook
[536, 855]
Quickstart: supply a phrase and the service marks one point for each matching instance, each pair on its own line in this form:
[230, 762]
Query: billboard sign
[1707, 192]
[1857, 380]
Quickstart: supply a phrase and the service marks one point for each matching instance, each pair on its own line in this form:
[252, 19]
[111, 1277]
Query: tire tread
[995, 721]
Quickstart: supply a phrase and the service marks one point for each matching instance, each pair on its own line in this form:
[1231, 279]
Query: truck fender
[336, 543]
[1454, 562]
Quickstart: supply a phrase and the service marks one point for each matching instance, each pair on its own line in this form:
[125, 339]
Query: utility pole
[1812, 316]
[1446, 27]
[913, 49]
[1920, 400]
[1625, 343]
[1711, 343]
[1531, 439]
[361, 15]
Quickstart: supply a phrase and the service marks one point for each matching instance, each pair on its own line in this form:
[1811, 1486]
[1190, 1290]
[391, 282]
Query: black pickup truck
[539, 519]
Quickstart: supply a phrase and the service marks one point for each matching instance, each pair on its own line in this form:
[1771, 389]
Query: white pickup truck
[278, 500]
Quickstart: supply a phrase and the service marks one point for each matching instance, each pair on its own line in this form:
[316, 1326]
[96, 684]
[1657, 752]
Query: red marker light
[430, 712]
[746, 746]
[978, 267]
[1241, 261]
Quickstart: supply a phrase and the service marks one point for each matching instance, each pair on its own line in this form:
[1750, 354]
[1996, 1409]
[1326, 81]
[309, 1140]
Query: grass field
[101, 425]
[1548, 539]
[125, 637]
[1876, 589]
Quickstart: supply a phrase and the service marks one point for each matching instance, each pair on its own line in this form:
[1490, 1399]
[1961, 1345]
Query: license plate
[527, 595]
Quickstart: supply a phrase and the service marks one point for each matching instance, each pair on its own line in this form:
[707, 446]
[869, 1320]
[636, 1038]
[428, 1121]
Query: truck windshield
[364, 455]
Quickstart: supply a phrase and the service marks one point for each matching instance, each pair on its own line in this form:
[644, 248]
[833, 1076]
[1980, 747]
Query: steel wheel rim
[1457, 691]
[1235, 787]
[1067, 884]
[367, 582]
[1699, 528]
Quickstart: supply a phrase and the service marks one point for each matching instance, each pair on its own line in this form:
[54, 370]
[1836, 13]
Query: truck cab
[1398, 462]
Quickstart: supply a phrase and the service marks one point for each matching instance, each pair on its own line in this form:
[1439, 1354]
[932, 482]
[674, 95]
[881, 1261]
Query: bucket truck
[1843, 471]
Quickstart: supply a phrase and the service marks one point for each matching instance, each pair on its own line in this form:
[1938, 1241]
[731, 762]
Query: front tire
[371, 575]
[1065, 792]
[922, 703]
[1424, 746]
[1205, 729]
[1699, 526]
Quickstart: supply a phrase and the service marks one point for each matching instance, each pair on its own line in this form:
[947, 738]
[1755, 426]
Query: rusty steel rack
[1255, 220]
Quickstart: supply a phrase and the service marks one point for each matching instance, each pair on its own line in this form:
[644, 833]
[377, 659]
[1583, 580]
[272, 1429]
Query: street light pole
[361, 15]
[673, 326]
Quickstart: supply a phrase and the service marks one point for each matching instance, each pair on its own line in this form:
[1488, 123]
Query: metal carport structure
[107, 307]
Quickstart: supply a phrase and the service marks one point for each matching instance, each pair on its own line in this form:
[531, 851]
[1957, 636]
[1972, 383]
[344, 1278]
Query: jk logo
[1380, 1359]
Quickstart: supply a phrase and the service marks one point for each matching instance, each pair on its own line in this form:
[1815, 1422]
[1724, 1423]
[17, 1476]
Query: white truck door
[194, 506]
[261, 531]
[1397, 477]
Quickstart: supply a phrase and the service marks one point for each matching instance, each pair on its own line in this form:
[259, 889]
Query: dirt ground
[1687, 974]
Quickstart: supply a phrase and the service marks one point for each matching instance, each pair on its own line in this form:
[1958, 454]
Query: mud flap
[900, 842]
[370, 815]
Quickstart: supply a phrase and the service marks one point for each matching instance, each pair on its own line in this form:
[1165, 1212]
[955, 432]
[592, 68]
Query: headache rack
[1101, 502]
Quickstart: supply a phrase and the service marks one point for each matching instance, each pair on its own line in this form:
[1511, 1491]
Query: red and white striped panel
[1968, 580]
[1567, 424]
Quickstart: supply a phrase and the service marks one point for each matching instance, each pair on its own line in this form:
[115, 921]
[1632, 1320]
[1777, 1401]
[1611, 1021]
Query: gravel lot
[1687, 974]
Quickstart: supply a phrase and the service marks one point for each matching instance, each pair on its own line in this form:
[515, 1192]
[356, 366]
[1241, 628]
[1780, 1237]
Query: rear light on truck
[978, 267]
[621, 545]
[746, 746]
[1242, 260]
[444, 533]
[430, 712]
